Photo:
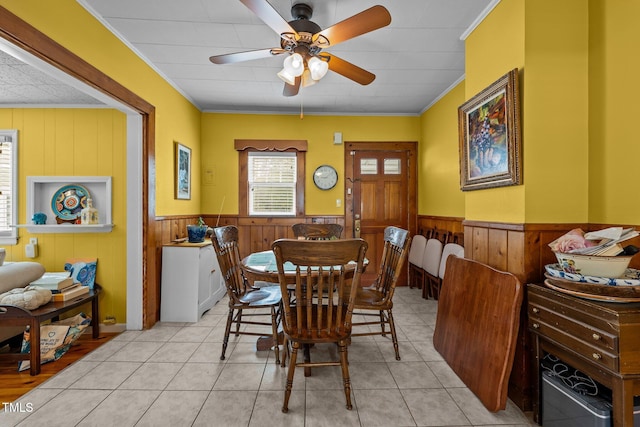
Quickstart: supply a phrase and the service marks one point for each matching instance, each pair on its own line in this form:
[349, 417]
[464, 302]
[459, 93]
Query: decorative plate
[68, 201]
[631, 277]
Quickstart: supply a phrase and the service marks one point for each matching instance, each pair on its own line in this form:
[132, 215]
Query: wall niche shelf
[41, 190]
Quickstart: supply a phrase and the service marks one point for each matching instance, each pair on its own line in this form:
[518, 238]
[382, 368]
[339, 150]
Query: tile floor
[172, 376]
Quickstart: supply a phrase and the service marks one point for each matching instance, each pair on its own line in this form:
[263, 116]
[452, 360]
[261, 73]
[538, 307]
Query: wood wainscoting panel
[479, 244]
[497, 249]
[450, 224]
[255, 233]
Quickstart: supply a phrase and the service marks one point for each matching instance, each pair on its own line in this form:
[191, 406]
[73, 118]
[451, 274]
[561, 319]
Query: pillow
[19, 274]
[83, 270]
[28, 298]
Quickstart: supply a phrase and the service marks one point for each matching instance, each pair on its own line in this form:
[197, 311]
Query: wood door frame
[26, 37]
[411, 147]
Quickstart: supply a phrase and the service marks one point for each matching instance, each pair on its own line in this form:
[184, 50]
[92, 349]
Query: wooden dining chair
[377, 299]
[317, 231]
[327, 277]
[245, 303]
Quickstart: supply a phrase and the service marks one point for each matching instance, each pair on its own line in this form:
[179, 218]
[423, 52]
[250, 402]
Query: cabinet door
[205, 279]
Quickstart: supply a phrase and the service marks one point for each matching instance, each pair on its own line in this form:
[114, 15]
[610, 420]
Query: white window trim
[10, 237]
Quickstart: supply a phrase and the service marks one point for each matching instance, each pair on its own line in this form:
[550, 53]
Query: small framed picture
[182, 171]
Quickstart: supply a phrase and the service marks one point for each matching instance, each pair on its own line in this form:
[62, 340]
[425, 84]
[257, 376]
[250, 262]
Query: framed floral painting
[489, 136]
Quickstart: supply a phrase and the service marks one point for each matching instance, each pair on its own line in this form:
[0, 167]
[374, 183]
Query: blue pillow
[83, 271]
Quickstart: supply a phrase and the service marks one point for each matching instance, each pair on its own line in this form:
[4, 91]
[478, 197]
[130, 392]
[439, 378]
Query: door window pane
[368, 166]
[392, 167]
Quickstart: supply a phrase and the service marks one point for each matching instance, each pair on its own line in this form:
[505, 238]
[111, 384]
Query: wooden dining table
[260, 269]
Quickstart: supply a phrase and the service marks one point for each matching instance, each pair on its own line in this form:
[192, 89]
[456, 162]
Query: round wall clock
[325, 177]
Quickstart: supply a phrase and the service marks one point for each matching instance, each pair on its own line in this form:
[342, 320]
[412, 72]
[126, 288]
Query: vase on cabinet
[197, 232]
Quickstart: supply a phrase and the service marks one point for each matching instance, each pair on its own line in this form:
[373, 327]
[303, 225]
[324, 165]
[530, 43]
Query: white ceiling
[416, 59]
[22, 84]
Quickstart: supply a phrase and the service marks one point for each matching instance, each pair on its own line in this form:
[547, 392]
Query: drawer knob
[536, 325]
[597, 356]
[536, 310]
[596, 337]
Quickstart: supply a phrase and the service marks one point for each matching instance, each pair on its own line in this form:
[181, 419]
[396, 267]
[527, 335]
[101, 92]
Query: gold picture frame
[489, 136]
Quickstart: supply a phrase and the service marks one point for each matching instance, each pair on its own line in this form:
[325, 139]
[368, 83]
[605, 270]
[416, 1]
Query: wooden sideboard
[601, 339]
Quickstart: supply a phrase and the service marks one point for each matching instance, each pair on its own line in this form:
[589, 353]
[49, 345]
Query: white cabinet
[191, 281]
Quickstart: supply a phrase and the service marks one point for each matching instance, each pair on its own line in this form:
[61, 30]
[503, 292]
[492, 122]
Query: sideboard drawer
[585, 331]
[596, 354]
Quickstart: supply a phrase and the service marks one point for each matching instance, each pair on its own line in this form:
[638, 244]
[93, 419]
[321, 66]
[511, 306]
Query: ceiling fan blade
[361, 23]
[269, 16]
[230, 58]
[348, 70]
[292, 90]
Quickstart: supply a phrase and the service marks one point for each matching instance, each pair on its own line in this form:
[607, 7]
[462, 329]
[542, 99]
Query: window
[271, 177]
[272, 183]
[8, 186]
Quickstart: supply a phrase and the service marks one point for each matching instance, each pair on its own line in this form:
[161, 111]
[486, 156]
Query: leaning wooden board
[477, 327]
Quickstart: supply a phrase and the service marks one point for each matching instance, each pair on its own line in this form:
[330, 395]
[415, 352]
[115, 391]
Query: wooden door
[381, 191]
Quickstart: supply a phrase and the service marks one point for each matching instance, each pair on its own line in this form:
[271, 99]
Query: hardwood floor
[15, 384]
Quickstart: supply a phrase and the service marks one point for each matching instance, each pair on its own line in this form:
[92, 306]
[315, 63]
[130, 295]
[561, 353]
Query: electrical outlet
[31, 248]
[109, 320]
[30, 251]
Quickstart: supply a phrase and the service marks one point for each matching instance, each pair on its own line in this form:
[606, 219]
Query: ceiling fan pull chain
[301, 111]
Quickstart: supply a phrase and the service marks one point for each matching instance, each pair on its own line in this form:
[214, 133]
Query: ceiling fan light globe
[307, 80]
[287, 77]
[294, 64]
[318, 68]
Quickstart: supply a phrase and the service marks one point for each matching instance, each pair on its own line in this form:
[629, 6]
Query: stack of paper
[609, 241]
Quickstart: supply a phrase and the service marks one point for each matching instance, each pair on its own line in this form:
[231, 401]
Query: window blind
[272, 183]
[8, 185]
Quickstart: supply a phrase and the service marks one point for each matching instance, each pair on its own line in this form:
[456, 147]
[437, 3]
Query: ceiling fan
[303, 40]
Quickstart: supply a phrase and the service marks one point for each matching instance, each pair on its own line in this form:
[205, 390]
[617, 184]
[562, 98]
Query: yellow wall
[578, 109]
[555, 111]
[493, 49]
[62, 142]
[176, 118]
[220, 158]
[613, 111]
[439, 170]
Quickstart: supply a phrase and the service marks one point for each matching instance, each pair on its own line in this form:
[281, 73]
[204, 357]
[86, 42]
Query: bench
[15, 316]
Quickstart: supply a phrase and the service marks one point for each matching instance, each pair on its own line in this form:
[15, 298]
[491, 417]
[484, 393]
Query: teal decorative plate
[68, 201]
